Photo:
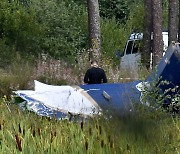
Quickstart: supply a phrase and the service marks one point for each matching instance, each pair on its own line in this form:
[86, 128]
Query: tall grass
[145, 131]
[142, 132]
[21, 73]
[15, 76]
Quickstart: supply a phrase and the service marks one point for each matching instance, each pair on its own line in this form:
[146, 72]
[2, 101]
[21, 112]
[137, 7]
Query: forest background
[31, 31]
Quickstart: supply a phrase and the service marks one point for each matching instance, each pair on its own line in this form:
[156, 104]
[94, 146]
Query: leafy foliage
[56, 27]
[65, 26]
[113, 38]
[135, 21]
[19, 27]
[117, 8]
[154, 96]
[60, 27]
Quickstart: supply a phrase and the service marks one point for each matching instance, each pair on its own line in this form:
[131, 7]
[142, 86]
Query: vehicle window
[129, 47]
[137, 46]
[135, 49]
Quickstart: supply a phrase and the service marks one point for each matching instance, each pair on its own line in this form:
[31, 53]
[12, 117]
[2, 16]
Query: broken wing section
[50, 100]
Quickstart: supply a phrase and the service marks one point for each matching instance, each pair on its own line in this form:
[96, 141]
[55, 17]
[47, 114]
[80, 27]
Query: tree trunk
[94, 29]
[179, 21]
[172, 23]
[147, 32]
[157, 32]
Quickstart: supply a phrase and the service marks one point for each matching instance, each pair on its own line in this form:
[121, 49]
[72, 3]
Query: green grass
[143, 132]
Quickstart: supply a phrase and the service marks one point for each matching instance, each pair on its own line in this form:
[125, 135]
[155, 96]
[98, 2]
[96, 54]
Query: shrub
[154, 96]
[65, 26]
[17, 76]
[19, 27]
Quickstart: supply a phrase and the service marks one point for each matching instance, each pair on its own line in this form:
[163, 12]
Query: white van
[131, 56]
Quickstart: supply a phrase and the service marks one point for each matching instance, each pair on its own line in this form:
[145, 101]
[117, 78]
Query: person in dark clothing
[95, 75]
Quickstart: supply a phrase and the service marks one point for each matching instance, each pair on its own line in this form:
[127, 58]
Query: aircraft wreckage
[90, 100]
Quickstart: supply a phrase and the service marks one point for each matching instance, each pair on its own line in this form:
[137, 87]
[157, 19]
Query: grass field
[142, 132]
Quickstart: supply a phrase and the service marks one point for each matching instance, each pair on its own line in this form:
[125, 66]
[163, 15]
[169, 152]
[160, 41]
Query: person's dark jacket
[95, 75]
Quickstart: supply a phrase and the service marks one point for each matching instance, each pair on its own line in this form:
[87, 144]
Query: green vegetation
[142, 132]
[60, 28]
[48, 26]
[47, 40]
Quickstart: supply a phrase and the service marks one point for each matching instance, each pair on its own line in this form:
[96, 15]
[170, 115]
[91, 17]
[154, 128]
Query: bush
[114, 38]
[117, 8]
[7, 54]
[17, 76]
[19, 27]
[154, 96]
[65, 27]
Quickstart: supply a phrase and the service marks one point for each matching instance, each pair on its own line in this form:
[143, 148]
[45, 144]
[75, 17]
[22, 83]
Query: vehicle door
[131, 57]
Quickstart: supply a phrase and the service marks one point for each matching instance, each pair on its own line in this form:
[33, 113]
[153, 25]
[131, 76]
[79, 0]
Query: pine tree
[157, 31]
[147, 32]
[172, 23]
[94, 29]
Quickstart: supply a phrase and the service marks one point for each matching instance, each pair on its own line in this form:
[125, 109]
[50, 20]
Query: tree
[118, 9]
[94, 29]
[178, 21]
[157, 31]
[147, 32]
[172, 24]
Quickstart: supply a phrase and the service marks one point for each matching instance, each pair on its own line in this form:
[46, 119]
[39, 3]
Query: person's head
[94, 62]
